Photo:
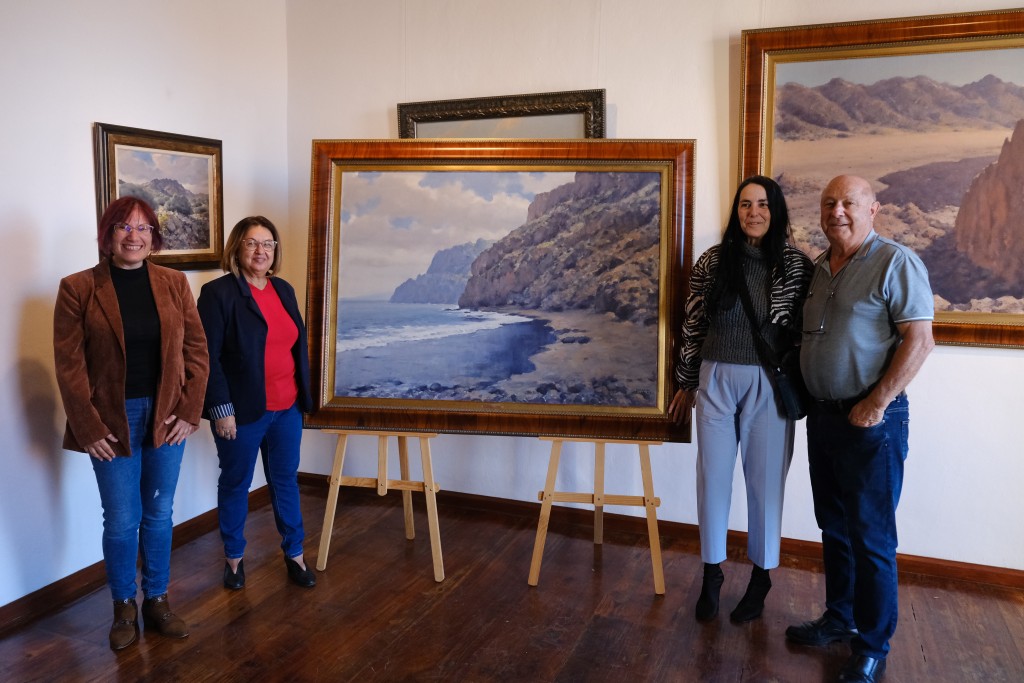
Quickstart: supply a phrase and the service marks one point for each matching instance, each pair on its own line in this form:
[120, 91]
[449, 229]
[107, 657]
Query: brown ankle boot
[125, 629]
[157, 615]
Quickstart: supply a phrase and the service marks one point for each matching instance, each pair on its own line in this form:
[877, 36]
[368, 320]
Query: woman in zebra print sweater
[719, 370]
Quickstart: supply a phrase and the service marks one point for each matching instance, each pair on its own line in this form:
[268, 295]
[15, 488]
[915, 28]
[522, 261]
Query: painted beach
[442, 352]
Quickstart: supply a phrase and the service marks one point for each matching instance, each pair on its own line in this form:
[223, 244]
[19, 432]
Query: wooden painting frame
[763, 49]
[589, 105]
[173, 172]
[335, 168]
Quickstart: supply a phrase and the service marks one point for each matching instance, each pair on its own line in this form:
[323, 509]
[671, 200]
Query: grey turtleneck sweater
[730, 336]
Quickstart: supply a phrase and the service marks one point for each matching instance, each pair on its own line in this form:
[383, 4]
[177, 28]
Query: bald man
[867, 329]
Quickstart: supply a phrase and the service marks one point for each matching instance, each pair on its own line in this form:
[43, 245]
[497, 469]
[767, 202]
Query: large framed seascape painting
[498, 286]
[931, 111]
[180, 176]
[566, 114]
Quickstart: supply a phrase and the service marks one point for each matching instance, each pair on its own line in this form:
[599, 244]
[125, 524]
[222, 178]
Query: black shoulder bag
[784, 372]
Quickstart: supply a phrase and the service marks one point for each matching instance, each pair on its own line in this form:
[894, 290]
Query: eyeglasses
[831, 295]
[268, 245]
[142, 229]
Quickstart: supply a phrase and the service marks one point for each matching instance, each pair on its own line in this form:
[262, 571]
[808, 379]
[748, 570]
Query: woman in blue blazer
[257, 392]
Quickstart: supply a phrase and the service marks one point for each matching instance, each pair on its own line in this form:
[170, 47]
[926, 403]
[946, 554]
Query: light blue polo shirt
[849, 327]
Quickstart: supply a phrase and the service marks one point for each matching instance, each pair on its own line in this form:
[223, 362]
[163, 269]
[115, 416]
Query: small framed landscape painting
[179, 176]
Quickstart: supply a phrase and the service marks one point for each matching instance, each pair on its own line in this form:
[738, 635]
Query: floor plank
[377, 614]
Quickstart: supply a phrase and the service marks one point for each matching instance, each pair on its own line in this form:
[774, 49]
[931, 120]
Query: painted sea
[441, 352]
[415, 351]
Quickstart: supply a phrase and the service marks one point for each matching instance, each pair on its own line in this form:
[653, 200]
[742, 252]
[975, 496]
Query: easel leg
[599, 493]
[430, 491]
[382, 465]
[332, 502]
[545, 513]
[403, 466]
[652, 519]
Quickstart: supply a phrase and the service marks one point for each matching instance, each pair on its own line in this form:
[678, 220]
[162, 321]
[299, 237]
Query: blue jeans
[856, 479]
[137, 494]
[277, 435]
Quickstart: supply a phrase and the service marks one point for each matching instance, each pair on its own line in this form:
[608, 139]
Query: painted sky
[137, 166]
[394, 222]
[954, 68]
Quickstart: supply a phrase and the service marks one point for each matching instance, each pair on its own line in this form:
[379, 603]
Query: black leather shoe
[297, 575]
[862, 669]
[821, 631]
[234, 579]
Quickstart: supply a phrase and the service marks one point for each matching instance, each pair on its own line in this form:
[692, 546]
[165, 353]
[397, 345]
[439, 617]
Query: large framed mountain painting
[931, 111]
[499, 286]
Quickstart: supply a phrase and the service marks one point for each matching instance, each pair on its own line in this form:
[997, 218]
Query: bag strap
[762, 348]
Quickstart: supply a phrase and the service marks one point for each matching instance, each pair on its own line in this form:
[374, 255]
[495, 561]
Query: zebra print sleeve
[788, 293]
[695, 322]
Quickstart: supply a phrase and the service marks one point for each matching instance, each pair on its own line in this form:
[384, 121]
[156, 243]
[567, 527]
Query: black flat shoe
[234, 580]
[299, 576]
[862, 669]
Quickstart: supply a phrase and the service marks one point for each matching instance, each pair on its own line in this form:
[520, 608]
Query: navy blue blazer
[236, 334]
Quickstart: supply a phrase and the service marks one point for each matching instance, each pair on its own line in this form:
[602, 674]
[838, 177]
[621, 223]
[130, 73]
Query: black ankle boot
[707, 603]
[752, 603]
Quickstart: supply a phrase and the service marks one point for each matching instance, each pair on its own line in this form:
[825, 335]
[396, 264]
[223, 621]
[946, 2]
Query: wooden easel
[383, 484]
[599, 499]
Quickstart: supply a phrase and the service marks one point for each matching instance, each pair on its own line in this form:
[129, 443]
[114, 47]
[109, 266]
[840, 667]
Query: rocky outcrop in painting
[590, 245]
[184, 215]
[445, 279]
[989, 227]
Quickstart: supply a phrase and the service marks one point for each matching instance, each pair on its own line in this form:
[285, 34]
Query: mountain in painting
[445, 279]
[184, 215]
[916, 104]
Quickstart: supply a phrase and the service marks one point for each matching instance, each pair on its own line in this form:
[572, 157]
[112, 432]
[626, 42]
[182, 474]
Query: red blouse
[279, 364]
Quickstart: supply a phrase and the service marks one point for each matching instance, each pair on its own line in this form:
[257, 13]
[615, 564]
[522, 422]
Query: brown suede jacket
[88, 347]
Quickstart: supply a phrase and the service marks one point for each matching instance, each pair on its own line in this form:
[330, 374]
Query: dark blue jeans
[277, 436]
[856, 479]
[137, 494]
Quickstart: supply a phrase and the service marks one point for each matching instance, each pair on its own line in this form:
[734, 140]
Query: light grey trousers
[736, 409]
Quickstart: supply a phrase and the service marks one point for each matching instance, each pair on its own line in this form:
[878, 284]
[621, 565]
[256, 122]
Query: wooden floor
[378, 615]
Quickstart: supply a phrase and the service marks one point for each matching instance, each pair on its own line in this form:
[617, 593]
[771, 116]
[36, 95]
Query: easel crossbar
[606, 499]
[392, 484]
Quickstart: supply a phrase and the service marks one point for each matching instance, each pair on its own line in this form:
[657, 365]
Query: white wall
[210, 69]
[266, 77]
[671, 70]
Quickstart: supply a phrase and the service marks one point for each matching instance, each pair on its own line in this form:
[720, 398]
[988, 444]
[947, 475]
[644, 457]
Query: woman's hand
[179, 432]
[682, 405]
[225, 427]
[102, 450]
